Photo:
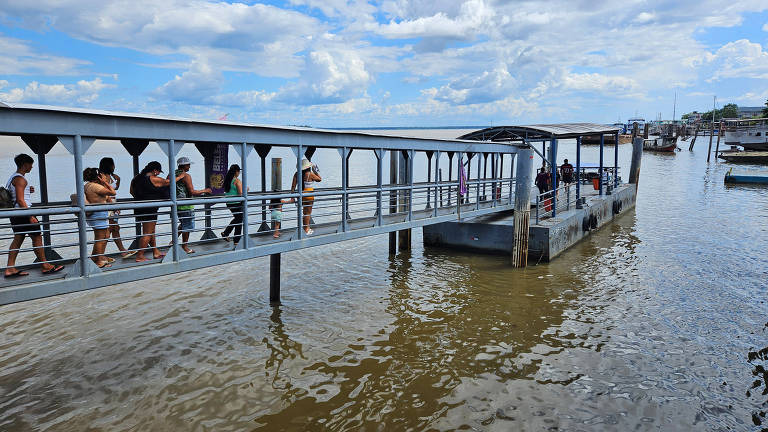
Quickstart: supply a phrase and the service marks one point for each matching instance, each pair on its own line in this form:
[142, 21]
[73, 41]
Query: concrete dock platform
[549, 238]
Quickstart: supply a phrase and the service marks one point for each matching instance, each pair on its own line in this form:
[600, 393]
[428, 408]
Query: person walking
[22, 226]
[148, 185]
[309, 175]
[107, 171]
[184, 189]
[98, 191]
[234, 187]
[566, 172]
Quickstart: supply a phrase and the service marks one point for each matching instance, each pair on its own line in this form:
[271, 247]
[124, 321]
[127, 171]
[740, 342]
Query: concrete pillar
[637, 155]
[523, 184]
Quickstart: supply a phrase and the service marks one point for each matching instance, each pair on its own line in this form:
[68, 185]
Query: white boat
[750, 134]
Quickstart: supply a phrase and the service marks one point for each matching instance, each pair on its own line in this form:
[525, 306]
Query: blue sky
[355, 63]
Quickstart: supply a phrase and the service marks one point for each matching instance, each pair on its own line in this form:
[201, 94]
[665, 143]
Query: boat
[750, 134]
[666, 142]
[660, 144]
[746, 177]
[745, 157]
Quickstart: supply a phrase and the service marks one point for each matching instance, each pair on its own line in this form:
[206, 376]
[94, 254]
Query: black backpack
[6, 199]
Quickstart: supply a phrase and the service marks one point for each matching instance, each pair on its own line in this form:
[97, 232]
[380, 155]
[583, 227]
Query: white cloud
[19, 58]
[600, 83]
[328, 77]
[486, 87]
[195, 85]
[473, 18]
[82, 92]
[644, 17]
[740, 59]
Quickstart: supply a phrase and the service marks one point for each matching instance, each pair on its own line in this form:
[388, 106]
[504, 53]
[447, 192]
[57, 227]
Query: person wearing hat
[309, 175]
[148, 185]
[184, 189]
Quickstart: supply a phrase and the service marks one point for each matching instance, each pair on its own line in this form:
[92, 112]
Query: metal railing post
[379, 179]
[600, 171]
[460, 156]
[512, 177]
[578, 170]
[344, 151]
[244, 173]
[437, 181]
[537, 208]
[171, 145]
[80, 189]
[616, 162]
[410, 184]
[299, 189]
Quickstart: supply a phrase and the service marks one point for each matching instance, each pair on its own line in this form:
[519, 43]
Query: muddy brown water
[646, 325]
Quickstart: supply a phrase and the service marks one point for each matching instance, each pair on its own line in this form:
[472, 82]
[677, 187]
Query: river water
[646, 325]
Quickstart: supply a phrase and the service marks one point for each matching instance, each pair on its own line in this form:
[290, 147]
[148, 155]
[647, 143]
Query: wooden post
[522, 212]
[637, 155]
[645, 131]
[711, 133]
[719, 134]
[695, 134]
[274, 259]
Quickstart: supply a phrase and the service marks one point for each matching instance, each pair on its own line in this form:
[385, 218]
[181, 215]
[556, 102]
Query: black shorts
[148, 214]
[21, 225]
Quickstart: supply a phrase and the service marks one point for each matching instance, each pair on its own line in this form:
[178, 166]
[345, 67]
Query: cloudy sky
[357, 63]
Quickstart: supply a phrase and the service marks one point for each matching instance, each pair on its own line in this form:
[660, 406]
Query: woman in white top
[21, 193]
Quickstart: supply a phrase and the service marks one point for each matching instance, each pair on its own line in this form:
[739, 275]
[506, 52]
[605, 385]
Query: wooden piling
[637, 155]
[711, 133]
[645, 131]
[274, 259]
[522, 214]
[719, 134]
[695, 134]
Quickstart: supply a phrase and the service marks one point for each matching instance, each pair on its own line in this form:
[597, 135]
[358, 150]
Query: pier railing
[339, 213]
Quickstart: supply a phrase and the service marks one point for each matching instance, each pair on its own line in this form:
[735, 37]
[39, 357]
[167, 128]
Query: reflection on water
[656, 322]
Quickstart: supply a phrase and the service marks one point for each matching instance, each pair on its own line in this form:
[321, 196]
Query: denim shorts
[98, 220]
[277, 216]
[186, 220]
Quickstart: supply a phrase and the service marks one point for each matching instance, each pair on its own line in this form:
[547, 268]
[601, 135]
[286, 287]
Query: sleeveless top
[143, 189]
[308, 184]
[182, 191]
[12, 190]
[232, 189]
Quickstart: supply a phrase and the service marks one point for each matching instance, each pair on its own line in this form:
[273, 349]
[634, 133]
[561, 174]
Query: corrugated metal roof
[539, 132]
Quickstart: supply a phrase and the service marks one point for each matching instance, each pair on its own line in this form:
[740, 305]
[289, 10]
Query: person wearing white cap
[309, 175]
[184, 189]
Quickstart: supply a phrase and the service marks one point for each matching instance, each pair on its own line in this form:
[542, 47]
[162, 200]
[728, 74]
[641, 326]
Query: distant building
[749, 112]
[694, 117]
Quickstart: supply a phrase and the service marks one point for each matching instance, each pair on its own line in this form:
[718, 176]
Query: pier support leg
[522, 208]
[719, 134]
[393, 155]
[274, 278]
[711, 133]
[404, 236]
[637, 156]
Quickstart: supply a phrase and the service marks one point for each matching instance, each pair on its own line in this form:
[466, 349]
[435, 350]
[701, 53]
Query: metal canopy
[538, 132]
[16, 119]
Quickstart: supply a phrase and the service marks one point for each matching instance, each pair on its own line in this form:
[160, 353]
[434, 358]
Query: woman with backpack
[148, 185]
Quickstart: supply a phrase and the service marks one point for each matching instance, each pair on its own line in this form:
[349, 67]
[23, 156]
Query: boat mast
[674, 108]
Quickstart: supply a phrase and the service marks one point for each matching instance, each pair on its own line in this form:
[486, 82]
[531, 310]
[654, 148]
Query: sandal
[18, 273]
[129, 254]
[104, 264]
[110, 260]
[54, 269]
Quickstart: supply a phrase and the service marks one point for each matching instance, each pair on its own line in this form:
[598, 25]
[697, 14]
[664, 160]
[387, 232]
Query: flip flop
[129, 254]
[162, 255]
[191, 251]
[55, 269]
[104, 264]
[17, 274]
[110, 260]
[142, 259]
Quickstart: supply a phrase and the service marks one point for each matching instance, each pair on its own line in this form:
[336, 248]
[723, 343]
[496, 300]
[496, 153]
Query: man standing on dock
[566, 172]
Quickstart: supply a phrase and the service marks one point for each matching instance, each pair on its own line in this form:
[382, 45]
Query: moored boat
[664, 143]
[745, 157]
[751, 134]
[746, 177]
